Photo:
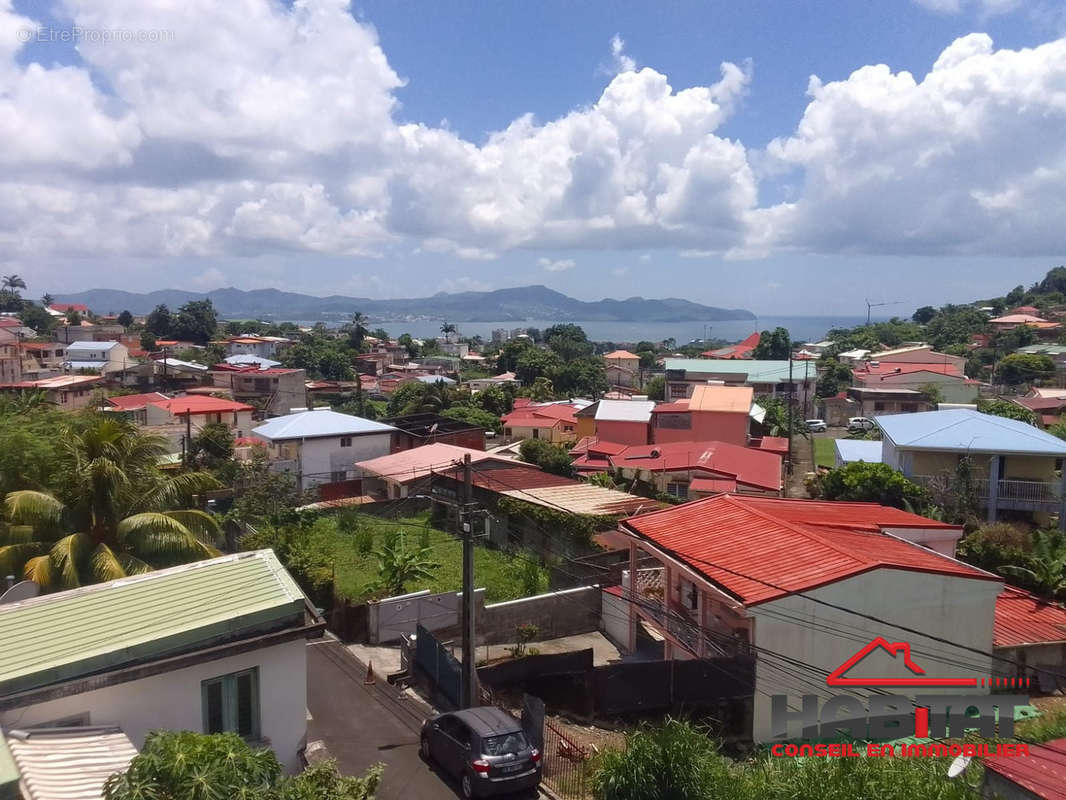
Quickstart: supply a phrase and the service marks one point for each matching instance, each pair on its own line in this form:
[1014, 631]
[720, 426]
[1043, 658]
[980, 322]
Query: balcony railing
[1011, 494]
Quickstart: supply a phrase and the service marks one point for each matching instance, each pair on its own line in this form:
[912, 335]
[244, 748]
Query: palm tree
[112, 512]
[357, 330]
[448, 328]
[12, 283]
[1046, 572]
[436, 397]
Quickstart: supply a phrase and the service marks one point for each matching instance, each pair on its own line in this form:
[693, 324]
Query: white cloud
[621, 62]
[210, 278]
[560, 265]
[984, 8]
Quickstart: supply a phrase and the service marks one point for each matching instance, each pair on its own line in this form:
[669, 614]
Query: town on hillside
[281, 560]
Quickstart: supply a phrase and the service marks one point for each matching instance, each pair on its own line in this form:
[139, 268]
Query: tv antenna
[870, 305]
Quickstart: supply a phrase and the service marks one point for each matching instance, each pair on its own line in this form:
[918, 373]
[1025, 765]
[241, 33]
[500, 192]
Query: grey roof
[85, 364]
[624, 410]
[964, 430]
[756, 371]
[250, 358]
[320, 422]
[435, 379]
[74, 347]
[849, 450]
[176, 362]
[488, 720]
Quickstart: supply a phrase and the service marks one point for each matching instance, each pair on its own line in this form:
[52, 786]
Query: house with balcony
[321, 445]
[771, 378]
[42, 359]
[796, 588]
[275, 389]
[1017, 468]
[949, 381]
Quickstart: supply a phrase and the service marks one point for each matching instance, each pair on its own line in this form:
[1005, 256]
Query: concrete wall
[614, 618]
[960, 610]
[324, 456]
[564, 613]
[173, 700]
[623, 432]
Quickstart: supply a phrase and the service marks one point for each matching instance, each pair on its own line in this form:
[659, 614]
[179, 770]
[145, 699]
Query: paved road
[362, 725]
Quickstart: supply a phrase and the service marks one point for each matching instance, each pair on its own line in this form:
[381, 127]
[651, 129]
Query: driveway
[362, 725]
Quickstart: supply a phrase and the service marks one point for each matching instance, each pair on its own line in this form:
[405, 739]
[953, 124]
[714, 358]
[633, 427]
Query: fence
[567, 767]
[434, 661]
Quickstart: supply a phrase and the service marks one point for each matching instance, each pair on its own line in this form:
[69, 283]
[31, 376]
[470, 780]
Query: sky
[787, 158]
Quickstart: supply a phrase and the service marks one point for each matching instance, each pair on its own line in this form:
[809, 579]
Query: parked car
[485, 748]
[856, 424]
[816, 425]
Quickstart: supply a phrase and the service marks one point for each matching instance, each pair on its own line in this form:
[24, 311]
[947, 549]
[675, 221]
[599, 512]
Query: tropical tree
[357, 330]
[112, 512]
[12, 283]
[1008, 409]
[1024, 368]
[655, 388]
[399, 565]
[47, 299]
[159, 321]
[835, 377]
[549, 457]
[125, 319]
[448, 328]
[1046, 568]
[772, 345]
[876, 483]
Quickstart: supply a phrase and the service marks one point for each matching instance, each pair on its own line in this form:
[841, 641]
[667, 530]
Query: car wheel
[467, 785]
[424, 748]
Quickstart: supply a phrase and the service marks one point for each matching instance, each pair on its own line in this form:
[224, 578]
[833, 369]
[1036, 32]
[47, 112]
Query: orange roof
[741, 545]
[620, 354]
[546, 416]
[1023, 618]
[740, 350]
[135, 402]
[1017, 319]
[199, 404]
[733, 399]
[65, 307]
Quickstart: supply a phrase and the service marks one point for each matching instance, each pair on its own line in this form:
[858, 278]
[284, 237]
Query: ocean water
[802, 329]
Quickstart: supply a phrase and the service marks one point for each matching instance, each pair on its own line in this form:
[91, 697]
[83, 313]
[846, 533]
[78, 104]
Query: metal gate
[395, 617]
[439, 666]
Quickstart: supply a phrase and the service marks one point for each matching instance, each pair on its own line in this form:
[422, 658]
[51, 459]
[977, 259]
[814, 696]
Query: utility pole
[188, 438]
[469, 686]
[788, 471]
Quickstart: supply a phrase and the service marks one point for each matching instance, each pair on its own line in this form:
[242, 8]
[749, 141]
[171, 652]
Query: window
[231, 703]
[879, 406]
[536, 433]
[346, 441]
[677, 489]
[337, 477]
[568, 427]
[678, 390]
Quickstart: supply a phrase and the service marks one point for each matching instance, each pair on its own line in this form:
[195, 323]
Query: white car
[816, 425]
[861, 424]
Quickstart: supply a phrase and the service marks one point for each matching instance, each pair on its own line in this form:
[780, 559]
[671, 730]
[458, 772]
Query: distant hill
[519, 303]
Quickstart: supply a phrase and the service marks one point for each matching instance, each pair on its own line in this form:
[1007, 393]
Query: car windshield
[504, 743]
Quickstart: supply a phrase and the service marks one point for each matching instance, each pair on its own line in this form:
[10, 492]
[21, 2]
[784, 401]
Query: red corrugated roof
[757, 556]
[752, 467]
[1042, 772]
[65, 307]
[774, 444]
[842, 514]
[590, 444]
[134, 402]
[712, 485]
[418, 462]
[199, 404]
[540, 416]
[503, 479]
[1023, 618]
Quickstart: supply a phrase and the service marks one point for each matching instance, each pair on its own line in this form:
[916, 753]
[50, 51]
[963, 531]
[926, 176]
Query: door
[454, 742]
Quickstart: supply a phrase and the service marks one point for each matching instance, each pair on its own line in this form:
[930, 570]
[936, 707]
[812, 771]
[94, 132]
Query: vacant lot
[503, 576]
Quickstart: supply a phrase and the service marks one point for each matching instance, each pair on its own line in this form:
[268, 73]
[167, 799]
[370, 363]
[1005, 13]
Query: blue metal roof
[849, 450]
[248, 358]
[74, 347]
[964, 430]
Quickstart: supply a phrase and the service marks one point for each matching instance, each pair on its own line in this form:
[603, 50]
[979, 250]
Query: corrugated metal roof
[199, 404]
[135, 402]
[9, 773]
[735, 399]
[849, 450]
[622, 354]
[1023, 618]
[498, 478]
[76, 347]
[319, 422]
[249, 358]
[83, 631]
[712, 485]
[1042, 772]
[583, 498]
[757, 556]
[755, 371]
[624, 410]
[843, 514]
[963, 430]
[418, 462]
[69, 764]
[748, 465]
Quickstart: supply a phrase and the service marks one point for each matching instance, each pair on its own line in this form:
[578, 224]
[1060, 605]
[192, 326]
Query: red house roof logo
[836, 677]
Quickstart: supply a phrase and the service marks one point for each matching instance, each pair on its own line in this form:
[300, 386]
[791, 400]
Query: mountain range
[515, 304]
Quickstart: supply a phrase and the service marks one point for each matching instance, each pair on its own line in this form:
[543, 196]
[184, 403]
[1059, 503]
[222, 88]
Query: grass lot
[503, 576]
[824, 451]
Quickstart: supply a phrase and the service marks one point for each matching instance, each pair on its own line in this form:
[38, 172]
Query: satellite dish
[20, 591]
[958, 766]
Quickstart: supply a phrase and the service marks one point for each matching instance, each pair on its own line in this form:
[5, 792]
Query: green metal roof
[1043, 349]
[76, 633]
[757, 371]
[9, 773]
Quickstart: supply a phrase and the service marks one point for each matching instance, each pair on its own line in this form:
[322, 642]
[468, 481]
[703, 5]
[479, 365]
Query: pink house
[623, 421]
[713, 413]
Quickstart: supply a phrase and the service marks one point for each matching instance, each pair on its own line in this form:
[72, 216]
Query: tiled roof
[418, 462]
[67, 635]
[621, 354]
[199, 404]
[749, 466]
[756, 555]
[69, 764]
[321, 422]
[1023, 618]
[1041, 773]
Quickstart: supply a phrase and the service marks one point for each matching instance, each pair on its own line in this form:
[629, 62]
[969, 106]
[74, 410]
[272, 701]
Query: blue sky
[383, 150]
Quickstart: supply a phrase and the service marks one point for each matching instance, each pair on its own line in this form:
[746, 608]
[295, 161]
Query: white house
[217, 645]
[322, 445]
[101, 357]
[792, 589]
[265, 346]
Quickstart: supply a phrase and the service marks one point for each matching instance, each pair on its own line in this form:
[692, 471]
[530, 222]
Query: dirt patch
[588, 737]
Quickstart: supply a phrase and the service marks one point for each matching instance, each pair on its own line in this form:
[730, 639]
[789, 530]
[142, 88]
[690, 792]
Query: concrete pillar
[632, 597]
[993, 488]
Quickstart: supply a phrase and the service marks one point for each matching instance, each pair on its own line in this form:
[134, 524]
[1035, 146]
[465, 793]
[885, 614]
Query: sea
[801, 329]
